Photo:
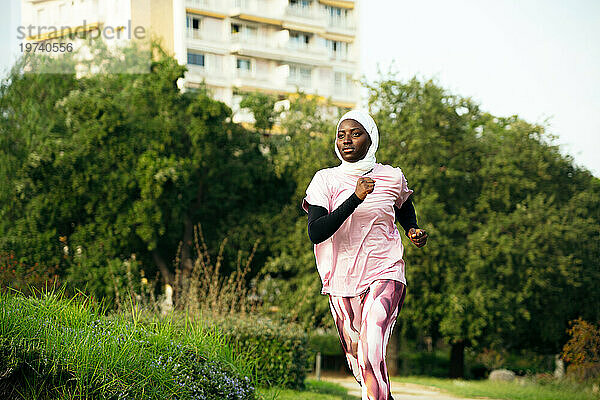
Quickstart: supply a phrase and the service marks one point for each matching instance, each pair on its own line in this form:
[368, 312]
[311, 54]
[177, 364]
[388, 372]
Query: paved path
[400, 391]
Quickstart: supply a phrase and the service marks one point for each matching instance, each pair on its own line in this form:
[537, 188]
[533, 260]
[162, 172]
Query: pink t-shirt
[367, 246]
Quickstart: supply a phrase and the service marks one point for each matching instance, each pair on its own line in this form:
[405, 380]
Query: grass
[516, 390]
[315, 390]
[527, 390]
[53, 347]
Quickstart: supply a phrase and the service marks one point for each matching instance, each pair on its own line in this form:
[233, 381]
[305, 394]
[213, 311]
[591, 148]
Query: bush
[51, 348]
[327, 342]
[24, 277]
[212, 380]
[435, 363]
[522, 363]
[582, 351]
[281, 350]
[527, 363]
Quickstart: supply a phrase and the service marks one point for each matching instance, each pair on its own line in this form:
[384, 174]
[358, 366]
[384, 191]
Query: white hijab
[363, 166]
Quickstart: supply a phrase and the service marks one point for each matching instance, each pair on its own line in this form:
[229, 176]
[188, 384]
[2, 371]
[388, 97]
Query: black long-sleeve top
[322, 225]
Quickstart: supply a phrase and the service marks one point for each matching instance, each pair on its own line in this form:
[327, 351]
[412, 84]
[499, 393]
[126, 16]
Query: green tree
[262, 106]
[498, 200]
[534, 211]
[121, 167]
[293, 284]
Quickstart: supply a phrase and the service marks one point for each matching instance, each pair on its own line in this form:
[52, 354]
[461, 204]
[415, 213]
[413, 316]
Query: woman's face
[352, 141]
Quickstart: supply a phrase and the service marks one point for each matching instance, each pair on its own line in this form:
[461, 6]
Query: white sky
[538, 59]
[10, 18]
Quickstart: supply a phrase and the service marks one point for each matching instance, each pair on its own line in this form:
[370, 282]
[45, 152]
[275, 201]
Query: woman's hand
[364, 186]
[417, 236]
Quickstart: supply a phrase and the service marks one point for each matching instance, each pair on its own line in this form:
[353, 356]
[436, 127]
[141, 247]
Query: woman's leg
[347, 314]
[380, 309]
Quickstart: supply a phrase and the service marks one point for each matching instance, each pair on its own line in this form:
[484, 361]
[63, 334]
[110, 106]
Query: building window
[343, 84]
[243, 64]
[301, 8]
[195, 59]
[338, 16]
[193, 22]
[339, 79]
[244, 32]
[300, 75]
[211, 63]
[300, 3]
[299, 40]
[336, 12]
[215, 63]
[337, 49]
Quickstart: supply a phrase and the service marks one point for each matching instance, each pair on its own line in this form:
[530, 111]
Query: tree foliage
[292, 283]
[262, 106]
[116, 166]
[506, 264]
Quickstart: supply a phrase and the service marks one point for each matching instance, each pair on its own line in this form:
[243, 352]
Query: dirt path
[400, 391]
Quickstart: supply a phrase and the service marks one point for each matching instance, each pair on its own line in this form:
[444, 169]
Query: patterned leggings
[365, 324]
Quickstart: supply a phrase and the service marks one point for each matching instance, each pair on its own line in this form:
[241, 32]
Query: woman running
[351, 213]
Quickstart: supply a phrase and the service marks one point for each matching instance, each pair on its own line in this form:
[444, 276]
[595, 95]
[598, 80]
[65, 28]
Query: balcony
[303, 12]
[341, 25]
[347, 93]
[252, 80]
[310, 54]
[212, 76]
[341, 22]
[206, 40]
[305, 84]
[339, 56]
[252, 45]
[300, 76]
[216, 7]
[267, 11]
[275, 48]
[199, 34]
[305, 49]
[305, 16]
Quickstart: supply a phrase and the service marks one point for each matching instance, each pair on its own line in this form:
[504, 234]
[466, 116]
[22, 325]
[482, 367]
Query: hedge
[280, 350]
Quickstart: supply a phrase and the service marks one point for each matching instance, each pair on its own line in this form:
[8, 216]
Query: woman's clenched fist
[364, 186]
[417, 236]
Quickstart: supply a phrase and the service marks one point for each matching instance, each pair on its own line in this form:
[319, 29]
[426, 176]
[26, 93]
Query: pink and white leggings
[365, 324]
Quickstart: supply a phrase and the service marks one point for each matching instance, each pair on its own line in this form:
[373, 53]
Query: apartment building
[232, 46]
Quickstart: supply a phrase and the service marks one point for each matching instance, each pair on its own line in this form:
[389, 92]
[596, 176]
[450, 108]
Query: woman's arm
[408, 219]
[406, 215]
[321, 225]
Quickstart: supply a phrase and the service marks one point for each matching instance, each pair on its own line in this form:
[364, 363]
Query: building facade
[231, 46]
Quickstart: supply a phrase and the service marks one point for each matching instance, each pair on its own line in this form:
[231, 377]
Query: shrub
[24, 277]
[327, 342]
[56, 348]
[521, 362]
[435, 363]
[281, 350]
[582, 351]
